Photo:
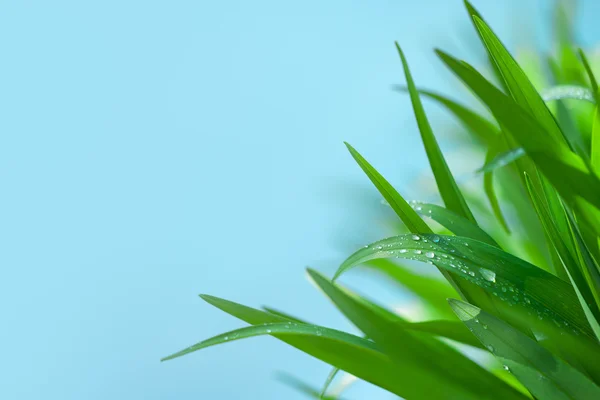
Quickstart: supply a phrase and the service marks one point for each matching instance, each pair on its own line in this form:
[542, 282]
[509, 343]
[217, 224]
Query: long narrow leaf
[546, 376]
[453, 198]
[454, 223]
[391, 195]
[514, 281]
[454, 374]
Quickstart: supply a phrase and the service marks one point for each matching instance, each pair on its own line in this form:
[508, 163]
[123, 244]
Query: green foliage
[531, 304]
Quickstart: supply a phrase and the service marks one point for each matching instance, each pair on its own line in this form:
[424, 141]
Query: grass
[533, 304]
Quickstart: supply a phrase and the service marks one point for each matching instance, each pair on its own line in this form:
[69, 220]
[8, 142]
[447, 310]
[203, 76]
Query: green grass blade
[564, 250]
[455, 375]
[451, 195]
[330, 377]
[302, 387]
[454, 223]
[593, 81]
[358, 356]
[569, 127]
[483, 129]
[449, 329]
[502, 159]
[595, 140]
[515, 282]
[590, 266]
[490, 190]
[410, 218]
[595, 151]
[282, 314]
[566, 171]
[274, 329]
[391, 195]
[495, 69]
[519, 85]
[545, 375]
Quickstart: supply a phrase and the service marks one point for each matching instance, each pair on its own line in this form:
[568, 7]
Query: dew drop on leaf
[488, 275]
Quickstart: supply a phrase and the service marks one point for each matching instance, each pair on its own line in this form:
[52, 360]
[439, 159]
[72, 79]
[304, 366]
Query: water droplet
[403, 251]
[484, 326]
[488, 275]
[379, 247]
[416, 237]
[435, 239]
[527, 300]
[466, 244]
[491, 348]
[476, 320]
[418, 252]
[430, 254]
[503, 289]
[268, 331]
[418, 208]
[471, 273]
[226, 338]
[506, 368]
[319, 333]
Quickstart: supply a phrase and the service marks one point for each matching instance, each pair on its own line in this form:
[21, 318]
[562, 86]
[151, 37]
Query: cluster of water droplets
[445, 254]
[420, 207]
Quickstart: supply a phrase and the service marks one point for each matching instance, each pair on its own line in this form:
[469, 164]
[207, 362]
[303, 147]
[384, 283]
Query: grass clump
[533, 304]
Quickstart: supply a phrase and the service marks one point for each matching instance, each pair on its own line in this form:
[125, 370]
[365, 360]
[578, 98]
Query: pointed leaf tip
[464, 311]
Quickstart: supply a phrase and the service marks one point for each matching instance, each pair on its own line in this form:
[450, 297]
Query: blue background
[151, 151]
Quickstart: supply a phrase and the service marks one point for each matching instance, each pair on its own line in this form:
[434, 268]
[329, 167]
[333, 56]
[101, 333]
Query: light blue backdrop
[151, 151]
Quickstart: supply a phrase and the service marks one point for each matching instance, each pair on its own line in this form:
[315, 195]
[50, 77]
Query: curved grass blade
[358, 356]
[453, 198]
[514, 281]
[330, 377]
[483, 129]
[410, 218]
[275, 329]
[391, 195]
[595, 146]
[454, 223]
[545, 376]
[454, 374]
[563, 92]
[502, 160]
